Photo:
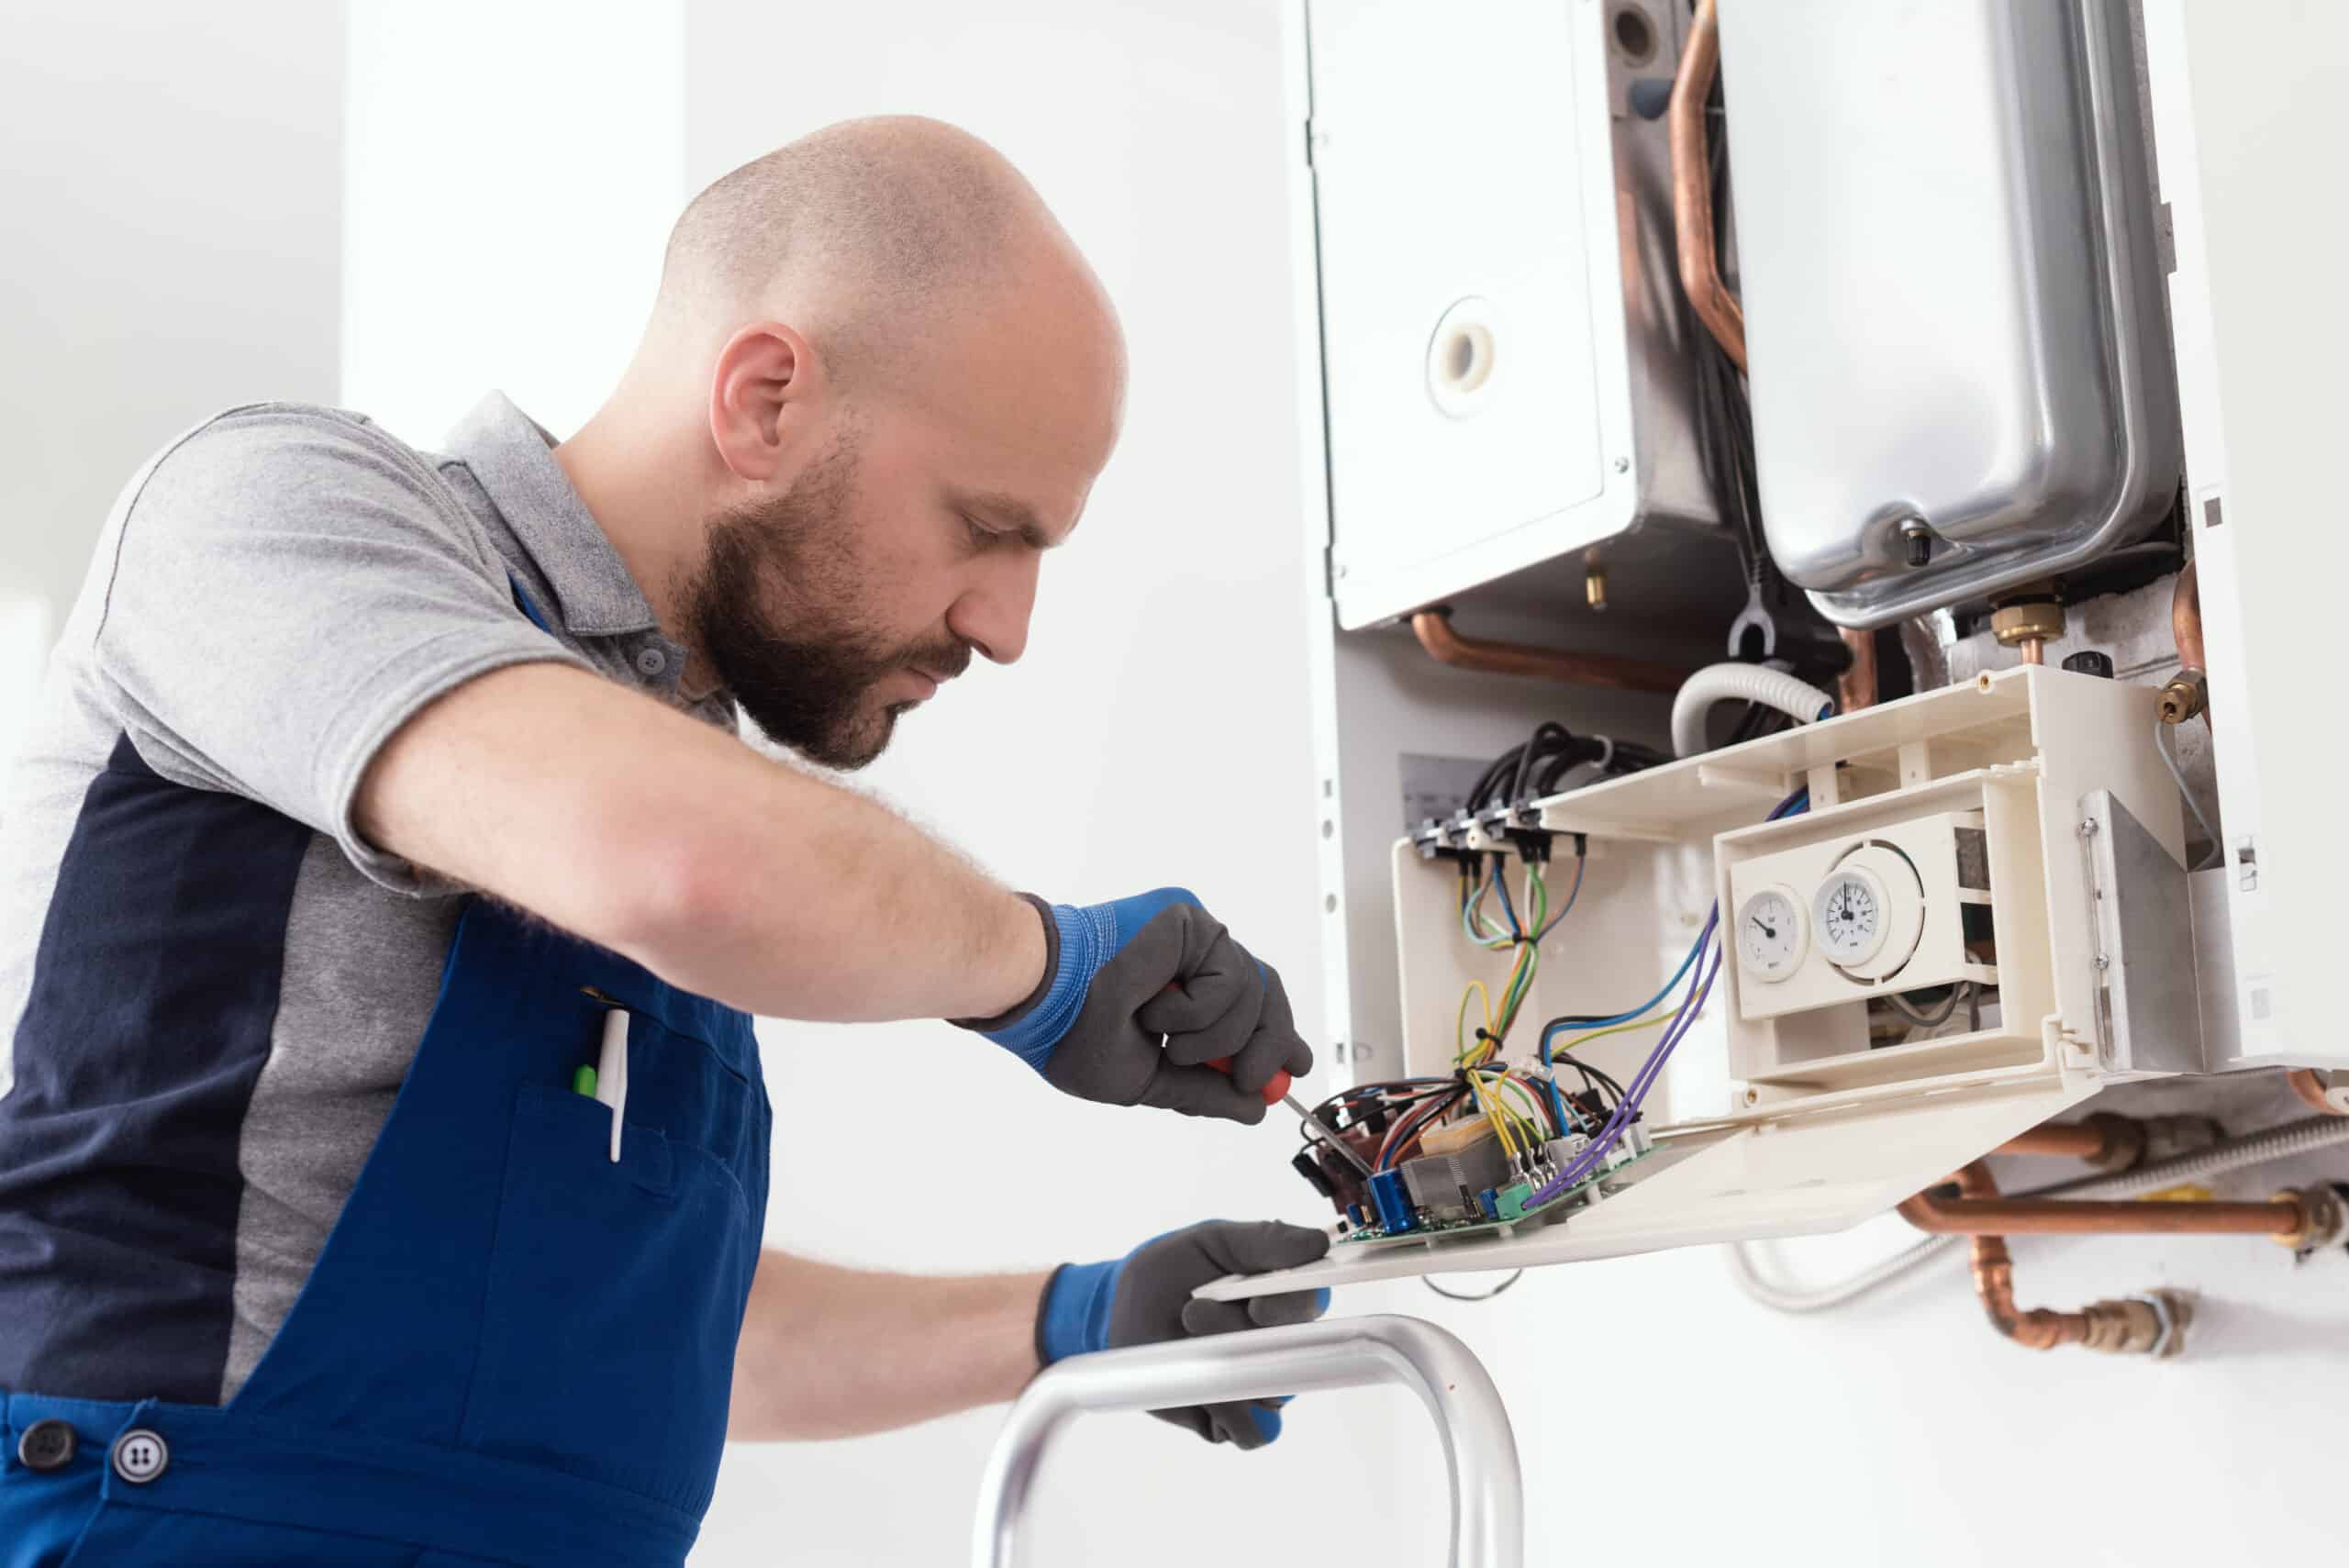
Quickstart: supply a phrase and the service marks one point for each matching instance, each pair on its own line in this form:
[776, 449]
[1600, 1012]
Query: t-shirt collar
[513, 459]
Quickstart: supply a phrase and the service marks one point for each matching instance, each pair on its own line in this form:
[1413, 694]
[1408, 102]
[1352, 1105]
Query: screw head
[1622, 465]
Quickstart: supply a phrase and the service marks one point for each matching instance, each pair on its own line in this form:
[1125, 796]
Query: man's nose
[992, 616]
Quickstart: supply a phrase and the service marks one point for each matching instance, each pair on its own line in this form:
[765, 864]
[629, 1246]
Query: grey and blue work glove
[1138, 996]
[1145, 1297]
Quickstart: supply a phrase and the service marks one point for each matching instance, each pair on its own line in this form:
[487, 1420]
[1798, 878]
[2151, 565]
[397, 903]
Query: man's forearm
[834, 1353]
[720, 871]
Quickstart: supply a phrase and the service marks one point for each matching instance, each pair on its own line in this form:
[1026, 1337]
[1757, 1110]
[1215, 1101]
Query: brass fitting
[2153, 1324]
[2187, 694]
[2323, 1222]
[2028, 625]
[1594, 587]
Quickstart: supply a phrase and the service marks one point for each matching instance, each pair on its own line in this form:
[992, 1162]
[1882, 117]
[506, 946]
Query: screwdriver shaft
[1313, 1124]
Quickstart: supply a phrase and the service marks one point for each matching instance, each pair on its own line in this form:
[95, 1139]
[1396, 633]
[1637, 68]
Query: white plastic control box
[1787, 1121]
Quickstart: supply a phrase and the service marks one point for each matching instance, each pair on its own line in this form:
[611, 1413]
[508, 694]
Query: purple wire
[1700, 986]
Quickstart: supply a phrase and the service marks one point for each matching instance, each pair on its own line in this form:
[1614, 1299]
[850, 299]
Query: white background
[171, 204]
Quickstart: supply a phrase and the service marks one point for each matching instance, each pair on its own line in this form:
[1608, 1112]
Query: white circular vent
[1462, 357]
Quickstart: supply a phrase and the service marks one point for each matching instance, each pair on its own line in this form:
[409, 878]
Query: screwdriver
[1276, 1092]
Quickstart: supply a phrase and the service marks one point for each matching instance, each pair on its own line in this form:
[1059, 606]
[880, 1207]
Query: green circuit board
[1445, 1229]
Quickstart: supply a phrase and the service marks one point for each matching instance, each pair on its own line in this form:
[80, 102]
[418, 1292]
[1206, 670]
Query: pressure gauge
[1773, 934]
[1869, 912]
[1851, 909]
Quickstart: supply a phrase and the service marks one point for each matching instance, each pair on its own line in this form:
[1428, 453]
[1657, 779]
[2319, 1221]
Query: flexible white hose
[1820, 1299]
[1801, 701]
[2294, 1138]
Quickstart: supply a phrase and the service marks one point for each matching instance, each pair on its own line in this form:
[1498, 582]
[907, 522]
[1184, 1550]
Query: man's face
[912, 542]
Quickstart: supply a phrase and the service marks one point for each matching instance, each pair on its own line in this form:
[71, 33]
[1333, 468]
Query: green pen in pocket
[583, 1081]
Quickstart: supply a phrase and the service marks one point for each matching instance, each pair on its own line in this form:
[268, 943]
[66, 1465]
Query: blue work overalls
[511, 1351]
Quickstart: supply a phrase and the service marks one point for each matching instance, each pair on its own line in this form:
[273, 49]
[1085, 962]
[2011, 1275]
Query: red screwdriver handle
[1273, 1091]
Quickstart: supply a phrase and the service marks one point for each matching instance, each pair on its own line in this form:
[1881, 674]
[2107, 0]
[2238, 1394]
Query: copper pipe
[1972, 1215]
[2078, 1139]
[1446, 646]
[2111, 1142]
[2309, 1088]
[1856, 689]
[2186, 618]
[1692, 188]
[2187, 693]
[2033, 652]
[2116, 1328]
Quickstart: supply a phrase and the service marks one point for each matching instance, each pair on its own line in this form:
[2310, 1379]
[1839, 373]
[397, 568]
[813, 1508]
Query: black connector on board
[1311, 1169]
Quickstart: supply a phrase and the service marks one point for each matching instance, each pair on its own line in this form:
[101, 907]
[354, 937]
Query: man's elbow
[672, 895]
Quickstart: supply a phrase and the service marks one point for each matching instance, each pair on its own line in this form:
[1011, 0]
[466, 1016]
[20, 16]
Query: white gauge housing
[1850, 908]
[1773, 934]
[1870, 912]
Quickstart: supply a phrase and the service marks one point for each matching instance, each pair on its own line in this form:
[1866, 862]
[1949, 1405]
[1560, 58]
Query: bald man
[386, 893]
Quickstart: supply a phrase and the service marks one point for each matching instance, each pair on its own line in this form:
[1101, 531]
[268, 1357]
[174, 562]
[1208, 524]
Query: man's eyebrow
[1010, 513]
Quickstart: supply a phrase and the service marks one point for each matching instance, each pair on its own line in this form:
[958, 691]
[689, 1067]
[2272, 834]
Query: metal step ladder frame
[1479, 1448]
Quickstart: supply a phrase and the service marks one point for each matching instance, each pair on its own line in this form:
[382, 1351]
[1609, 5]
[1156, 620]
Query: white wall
[514, 170]
[170, 200]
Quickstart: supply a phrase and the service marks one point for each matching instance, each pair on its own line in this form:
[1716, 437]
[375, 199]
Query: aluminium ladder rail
[1479, 1450]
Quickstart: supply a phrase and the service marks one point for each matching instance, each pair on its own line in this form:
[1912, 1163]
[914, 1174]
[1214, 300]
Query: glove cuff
[1076, 943]
[1072, 1319]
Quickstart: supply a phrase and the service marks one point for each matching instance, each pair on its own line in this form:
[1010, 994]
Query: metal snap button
[141, 1455]
[651, 660]
[47, 1445]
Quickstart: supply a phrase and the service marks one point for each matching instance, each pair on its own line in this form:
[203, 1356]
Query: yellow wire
[1460, 1023]
[1530, 1116]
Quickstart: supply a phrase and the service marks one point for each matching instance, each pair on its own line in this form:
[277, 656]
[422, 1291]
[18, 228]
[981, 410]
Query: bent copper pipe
[1446, 646]
[1692, 188]
[1994, 1281]
[2186, 618]
[1856, 687]
[1979, 1211]
[2311, 1089]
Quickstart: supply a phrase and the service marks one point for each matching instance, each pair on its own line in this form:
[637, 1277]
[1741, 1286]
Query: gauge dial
[1773, 934]
[1850, 910]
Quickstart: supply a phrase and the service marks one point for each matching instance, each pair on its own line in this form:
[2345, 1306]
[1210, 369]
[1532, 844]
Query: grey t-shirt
[209, 999]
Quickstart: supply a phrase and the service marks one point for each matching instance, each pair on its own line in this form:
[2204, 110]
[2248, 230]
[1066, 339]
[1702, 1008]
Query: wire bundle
[1701, 967]
[1526, 937]
[1537, 768]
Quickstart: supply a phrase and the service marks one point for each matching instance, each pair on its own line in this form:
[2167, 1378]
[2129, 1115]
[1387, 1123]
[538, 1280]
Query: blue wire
[1501, 883]
[1572, 893]
[1798, 801]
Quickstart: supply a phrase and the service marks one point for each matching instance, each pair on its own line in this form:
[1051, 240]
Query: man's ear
[766, 381]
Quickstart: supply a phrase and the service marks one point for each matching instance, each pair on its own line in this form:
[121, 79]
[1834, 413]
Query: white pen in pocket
[611, 1072]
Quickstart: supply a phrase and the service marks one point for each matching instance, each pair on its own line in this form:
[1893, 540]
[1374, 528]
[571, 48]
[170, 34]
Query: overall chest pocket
[616, 1290]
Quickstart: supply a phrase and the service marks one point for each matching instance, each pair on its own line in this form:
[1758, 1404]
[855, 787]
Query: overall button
[47, 1445]
[141, 1455]
[651, 660]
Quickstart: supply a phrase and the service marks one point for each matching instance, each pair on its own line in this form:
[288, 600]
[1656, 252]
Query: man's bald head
[871, 236]
[879, 385]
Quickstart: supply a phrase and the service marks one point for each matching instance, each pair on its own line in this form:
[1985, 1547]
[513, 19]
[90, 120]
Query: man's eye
[980, 537]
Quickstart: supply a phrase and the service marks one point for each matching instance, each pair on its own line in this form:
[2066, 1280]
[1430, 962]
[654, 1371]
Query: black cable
[1460, 1296]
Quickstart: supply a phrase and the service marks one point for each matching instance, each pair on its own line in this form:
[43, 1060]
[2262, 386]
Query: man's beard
[803, 675]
